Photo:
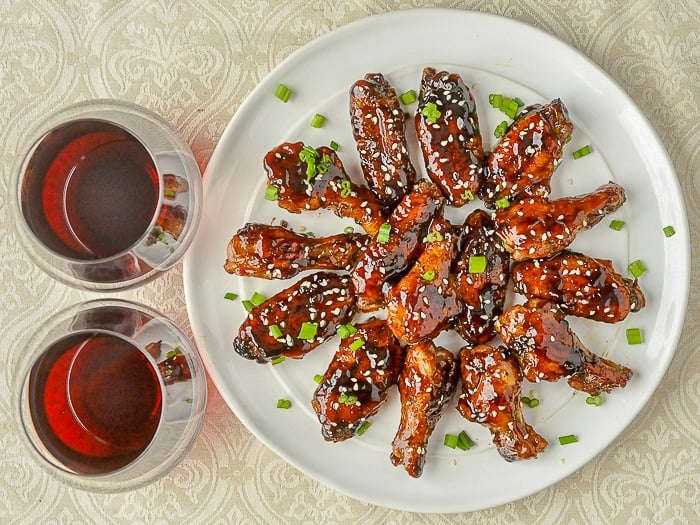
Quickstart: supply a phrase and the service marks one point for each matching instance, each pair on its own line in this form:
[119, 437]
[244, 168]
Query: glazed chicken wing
[422, 303]
[382, 261]
[357, 381]
[483, 293]
[379, 129]
[305, 314]
[546, 349]
[427, 382]
[525, 158]
[536, 228]
[448, 132]
[580, 285]
[309, 179]
[275, 252]
[491, 386]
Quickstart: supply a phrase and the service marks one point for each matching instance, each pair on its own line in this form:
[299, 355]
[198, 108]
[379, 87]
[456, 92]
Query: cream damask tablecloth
[194, 61]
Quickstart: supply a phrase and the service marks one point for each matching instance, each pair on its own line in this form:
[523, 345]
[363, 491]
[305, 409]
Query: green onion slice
[308, 331]
[283, 93]
[230, 296]
[257, 299]
[637, 268]
[357, 344]
[450, 440]
[464, 442]
[345, 330]
[669, 231]
[500, 129]
[617, 225]
[284, 404]
[318, 378]
[595, 400]
[345, 188]
[363, 427]
[434, 236]
[431, 112]
[409, 97]
[247, 305]
[634, 336]
[277, 360]
[582, 152]
[318, 121]
[429, 275]
[348, 230]
[502, 203]
[334, 145]
[384, 232]
[567, 440]
[271, 193]
[275, 331]
[477, 264]
[467, 195]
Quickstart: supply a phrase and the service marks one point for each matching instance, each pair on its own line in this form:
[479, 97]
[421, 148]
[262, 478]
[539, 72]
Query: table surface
[194, 62]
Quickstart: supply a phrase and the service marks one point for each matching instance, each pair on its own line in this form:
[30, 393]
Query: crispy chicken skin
[427, 382]
[325, 299]
[525, 158]
[357, 382]
[275, 252]
[546, 349]
[483, 294]
[581, 285]
[537, 228]
[383, 261]
[378, 125]
[333, 190]
[491, 387]
[422, 303]
[448, 132]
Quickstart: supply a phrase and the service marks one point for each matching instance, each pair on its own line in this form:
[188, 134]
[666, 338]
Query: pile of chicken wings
[388, 292]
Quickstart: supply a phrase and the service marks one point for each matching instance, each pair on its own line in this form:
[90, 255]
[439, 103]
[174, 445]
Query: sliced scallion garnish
[582, 152]
[384, 232]
[567, 440]
[284, 404]
[271, 193]
[617, 225]
[307, 331]
[409, 97]
[230, 296]
[477, 264]
[637, 268]
[318, 121]
[669, 231]
[634, 336]
[283, 93]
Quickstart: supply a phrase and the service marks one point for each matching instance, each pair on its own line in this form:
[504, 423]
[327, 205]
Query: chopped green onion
[467, 195]
[284, 404]
[434, 236]
[271, 193]
[347, 399]
[348, 230]
[532, 402]
[477, 263]
[384, 231]
[363, 428]
[634, 336]
[669, 231]
[334, 145]
[257, 299]
[500, 129]
[278, 359]
[450, 440]
[247, 305]
[582, 152]
[464, 442]
[502, 203]
[510, 107]
[230, 296]
[308, 331]
[429, 275]
[566, 440]
[283, 93]
[345, 330]
[637, 268]
[345, 188]
[617, 225]
[595, 400]
[431, 112]
[357, 344]
[275, 331]
[175, 351]
[318, 121]
[409, 97]
[495, 100]
[318, 378]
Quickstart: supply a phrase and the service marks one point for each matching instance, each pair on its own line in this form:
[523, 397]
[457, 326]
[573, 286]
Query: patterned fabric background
[194, 61]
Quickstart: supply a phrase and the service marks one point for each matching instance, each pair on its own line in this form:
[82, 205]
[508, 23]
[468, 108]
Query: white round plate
[493, 54]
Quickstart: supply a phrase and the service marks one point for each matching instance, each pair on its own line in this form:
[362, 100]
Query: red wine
[95, 402]
[91, 190]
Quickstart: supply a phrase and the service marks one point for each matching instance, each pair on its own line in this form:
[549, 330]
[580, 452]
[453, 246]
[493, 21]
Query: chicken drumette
[308, 179]
[535, 228]
[448, 132]
[581, 285]
[357, 380]
[547, 350]
[385, 259]
[427, 382]
[275, 252]
[378, 125]
[491, 386]
[525, 158]
[297, 319]
[483, 293]
[422, 303]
